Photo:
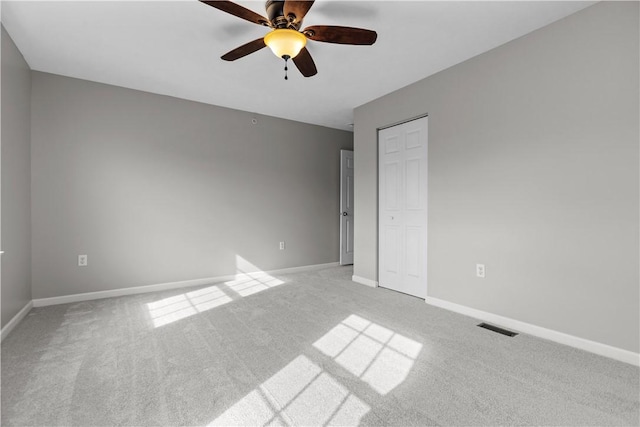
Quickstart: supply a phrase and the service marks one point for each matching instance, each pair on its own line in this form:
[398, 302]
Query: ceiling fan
[286, 40]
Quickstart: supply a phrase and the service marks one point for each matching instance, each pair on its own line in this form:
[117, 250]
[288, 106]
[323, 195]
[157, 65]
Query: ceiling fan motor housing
[275, 13]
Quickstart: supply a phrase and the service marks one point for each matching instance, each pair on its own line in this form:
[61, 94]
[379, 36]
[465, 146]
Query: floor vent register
[498, 330]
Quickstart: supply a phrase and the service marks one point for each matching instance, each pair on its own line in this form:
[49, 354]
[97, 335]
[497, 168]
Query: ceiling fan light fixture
[284, 42]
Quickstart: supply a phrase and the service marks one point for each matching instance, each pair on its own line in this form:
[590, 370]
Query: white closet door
[402, 215]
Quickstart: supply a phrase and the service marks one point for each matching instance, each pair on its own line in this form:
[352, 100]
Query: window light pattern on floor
[250, 279]
[377, 355]
[178, 307]
[303, 391]
[252, 283]
[299, 391]
[185, 305]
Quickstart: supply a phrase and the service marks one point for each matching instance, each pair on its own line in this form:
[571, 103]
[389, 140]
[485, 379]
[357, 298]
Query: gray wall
[16, 180]
[533, 171]
[156, 189]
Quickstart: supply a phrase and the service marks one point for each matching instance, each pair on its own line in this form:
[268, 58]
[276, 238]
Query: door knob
[344, 214]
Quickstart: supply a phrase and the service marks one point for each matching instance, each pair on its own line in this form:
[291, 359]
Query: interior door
[346, 207]
[402, 212]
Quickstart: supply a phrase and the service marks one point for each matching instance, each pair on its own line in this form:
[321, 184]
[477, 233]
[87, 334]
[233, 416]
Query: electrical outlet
[480, 270]
[82, 260]
[282, 246]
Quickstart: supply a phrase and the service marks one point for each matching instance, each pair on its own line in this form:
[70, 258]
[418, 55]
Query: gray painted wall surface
[156, 189]
[533, 171]
[16, 180]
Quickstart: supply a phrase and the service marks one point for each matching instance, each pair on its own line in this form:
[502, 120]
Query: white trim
[15, 320]
[540, 332]
[301, 269]
[88, 296]
[364, 281]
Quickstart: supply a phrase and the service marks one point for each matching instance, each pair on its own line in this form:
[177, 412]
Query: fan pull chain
[286, 58]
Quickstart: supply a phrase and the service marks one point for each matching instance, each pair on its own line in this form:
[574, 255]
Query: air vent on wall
[497, 329]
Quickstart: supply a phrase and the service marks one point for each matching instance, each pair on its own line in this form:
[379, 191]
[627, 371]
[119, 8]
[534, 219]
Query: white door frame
[346, 207]
[378, 209]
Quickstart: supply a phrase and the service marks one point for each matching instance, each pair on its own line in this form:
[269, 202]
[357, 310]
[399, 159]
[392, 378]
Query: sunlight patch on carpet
[375, 354]
[185, 305]
[178, 307]
[251, 283]
[250, 279]
[301, 392]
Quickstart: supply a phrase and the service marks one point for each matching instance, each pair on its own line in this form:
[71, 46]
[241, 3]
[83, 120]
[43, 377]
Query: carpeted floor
[308, 348]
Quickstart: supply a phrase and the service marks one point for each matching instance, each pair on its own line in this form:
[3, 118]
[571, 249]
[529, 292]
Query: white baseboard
[301, 269]
[88, 296]
[364, 281]
[15, 320]
[540, 332]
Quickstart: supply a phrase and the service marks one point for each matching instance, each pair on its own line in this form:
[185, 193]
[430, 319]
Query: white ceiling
[174, 48]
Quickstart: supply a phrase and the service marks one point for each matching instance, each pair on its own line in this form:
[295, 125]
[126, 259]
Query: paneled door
[402, 211]
[346, 207]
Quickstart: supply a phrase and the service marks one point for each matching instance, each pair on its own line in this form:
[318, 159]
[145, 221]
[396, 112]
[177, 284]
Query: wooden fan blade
[340, 35]
[305, 63]
[237, 10]
[297, 8]
[244, 50]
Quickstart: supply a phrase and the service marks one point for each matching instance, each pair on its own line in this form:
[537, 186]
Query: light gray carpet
[310, 348]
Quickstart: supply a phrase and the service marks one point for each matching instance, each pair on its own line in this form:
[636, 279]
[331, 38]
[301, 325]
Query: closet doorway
[402, 209]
